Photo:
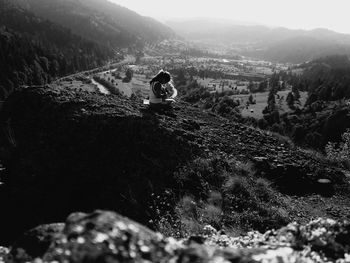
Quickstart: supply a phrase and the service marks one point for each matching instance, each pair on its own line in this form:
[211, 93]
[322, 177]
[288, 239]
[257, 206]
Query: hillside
[69, 150]
[100, 21]
[35, 51]
[305, 47]
[323, 116]
[273, 44]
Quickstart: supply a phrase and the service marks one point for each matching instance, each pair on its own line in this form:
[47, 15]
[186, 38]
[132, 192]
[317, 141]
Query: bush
[253, 204]
[194, 92]
[223, 194]
[340, 154]
[108, 85]
[128, 75]
[262, 124]
[226, 106]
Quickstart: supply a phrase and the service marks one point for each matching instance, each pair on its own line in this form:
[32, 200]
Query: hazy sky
[304, 14]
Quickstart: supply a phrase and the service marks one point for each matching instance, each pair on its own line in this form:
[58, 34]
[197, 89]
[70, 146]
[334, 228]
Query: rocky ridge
[77, 150]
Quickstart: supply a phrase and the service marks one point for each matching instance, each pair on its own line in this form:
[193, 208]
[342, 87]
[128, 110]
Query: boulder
[105, 236]
[35, 242]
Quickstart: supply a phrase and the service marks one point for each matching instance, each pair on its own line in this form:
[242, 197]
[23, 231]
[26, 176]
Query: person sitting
[162, 91]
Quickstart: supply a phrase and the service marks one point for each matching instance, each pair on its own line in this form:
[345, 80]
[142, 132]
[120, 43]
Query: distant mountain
[301, 48]
[100, 21]
[276, 44]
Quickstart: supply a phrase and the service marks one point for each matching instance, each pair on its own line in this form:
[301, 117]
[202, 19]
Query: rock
[196, 240]
[35, 242]
[105, 236]
[4, 251]
[191, 124]
[208, 230]
[325, 187]
[324, 181]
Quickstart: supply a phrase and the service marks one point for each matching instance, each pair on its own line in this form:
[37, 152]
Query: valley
[250, 163]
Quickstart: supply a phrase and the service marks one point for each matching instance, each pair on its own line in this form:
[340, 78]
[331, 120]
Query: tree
[296, 93]
[251, 87]
[251, 99]
[325, 93]
[180, 78]
[226, 106]
[128, 75]
[342, 152]
[290, 100]
[262, 124]
[54, 68]
[271, 101]
[37, 74]
[262, 86]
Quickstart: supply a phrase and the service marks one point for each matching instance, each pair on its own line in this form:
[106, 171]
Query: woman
[162, 91]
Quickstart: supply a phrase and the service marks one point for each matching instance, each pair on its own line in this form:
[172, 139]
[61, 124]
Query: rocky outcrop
[108, 237]
[74, 150]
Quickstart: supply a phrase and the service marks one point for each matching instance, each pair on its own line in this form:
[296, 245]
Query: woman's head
[163, 77]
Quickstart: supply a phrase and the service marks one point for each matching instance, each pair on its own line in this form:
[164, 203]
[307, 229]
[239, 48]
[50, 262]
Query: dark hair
[161, 75]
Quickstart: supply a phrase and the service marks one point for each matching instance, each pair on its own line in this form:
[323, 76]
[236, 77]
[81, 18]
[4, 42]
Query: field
[255, 110]
[223, 84]
[138, 84]
[79, 85]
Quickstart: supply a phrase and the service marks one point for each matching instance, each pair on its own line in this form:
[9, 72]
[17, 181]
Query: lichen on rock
[105, 236]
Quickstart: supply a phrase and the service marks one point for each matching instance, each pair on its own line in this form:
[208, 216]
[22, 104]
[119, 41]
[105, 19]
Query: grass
[78, 85]
[224, 194]
[138, 84]
[261, 102]
[340, 153]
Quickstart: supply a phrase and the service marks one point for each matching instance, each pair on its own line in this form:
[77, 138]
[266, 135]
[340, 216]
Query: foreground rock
[108, 237]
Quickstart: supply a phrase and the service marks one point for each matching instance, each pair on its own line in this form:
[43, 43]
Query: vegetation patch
[224, 194]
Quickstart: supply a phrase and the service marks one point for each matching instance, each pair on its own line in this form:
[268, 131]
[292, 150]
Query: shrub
[128, 75]
[193, 92]
[224, 194]
[226, 106]
[340, 154]
[262, 124]
[108, 85]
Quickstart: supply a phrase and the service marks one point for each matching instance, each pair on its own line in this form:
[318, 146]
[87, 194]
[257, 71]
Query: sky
[294, 14]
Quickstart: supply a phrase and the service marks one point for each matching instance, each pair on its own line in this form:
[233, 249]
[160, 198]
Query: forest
[34, 51]
[325, 115]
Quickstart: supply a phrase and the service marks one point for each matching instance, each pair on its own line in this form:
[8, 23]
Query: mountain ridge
[271, 43]
[100, 21]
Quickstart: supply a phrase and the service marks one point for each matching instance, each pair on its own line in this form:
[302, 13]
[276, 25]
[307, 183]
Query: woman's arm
[173, 96]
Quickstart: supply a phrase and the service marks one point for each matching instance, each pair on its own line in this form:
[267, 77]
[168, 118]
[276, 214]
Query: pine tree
[290, 100]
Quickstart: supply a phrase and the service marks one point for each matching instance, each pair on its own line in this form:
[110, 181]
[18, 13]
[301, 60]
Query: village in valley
[245, 80]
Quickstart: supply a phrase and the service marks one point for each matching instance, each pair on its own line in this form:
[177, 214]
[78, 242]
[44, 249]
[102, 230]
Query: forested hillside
[33, 51]
[329, 78]
[325, 115]
[41, 40]
[100, 21]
